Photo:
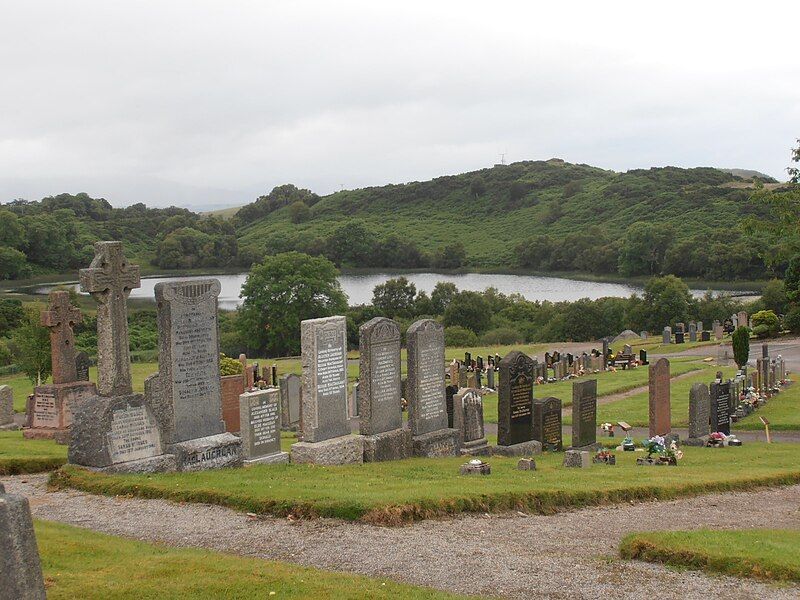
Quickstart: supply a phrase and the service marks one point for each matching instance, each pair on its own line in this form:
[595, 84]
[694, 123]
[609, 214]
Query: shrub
[765, 323]
[502, 336]
[299, 212]
[456, 335]
[229, 366]
[741, 345]
[792, 320]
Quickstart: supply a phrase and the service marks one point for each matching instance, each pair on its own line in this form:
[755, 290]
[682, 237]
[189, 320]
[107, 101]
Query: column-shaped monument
[116, 430]
[379, 394]
[324, 421]
[49, 410]
[427, 404]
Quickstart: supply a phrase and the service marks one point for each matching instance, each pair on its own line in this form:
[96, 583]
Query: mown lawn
[770, 554]
[18, 455]
[635, 409]
[78, 563]
[402, 491]
[782, 411]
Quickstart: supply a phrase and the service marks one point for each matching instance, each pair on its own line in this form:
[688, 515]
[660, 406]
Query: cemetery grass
[782, 411]
[19, 456]
[78, 563]
[635, 409]
[398, 492]
[769, 554]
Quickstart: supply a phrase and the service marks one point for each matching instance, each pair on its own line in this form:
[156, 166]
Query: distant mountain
[750, 174]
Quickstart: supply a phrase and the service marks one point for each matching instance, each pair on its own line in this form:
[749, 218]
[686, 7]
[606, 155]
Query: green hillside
[585, 210]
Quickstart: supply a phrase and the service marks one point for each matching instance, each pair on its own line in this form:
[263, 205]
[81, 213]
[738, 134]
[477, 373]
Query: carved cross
[60, 319]
[110, 279]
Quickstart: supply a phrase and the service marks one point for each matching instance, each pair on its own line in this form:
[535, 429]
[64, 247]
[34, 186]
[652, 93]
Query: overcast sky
[213, 103]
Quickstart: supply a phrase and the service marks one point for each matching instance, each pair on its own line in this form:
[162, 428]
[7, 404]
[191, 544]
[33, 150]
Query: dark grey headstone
[720, 407]
[426, 394]
[379, 376]
[547, 423]
[190, 399]
[515, 399]
[82, 364]
[699, 410]
[324, 360]
[20, 568]
[584, 413]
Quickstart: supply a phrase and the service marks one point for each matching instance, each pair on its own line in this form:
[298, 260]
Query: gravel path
[569, 555]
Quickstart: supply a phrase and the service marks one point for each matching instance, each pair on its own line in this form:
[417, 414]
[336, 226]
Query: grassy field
[18, 455]
[78, 563]
[782, 411]
[770, 554]
[635, 409]
[402, 491]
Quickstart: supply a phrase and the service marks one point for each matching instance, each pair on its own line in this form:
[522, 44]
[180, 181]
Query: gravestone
[449, 392]
[667, 336]
[741, 319]
[352, 402]
[679, 337]
[7, 409]
[581, 459]
[20, 567]
[643, 335]
[515, 435]
[291, 391]
[259, 426]
[692, 332]
[719, 332]
[462, 376]
[50, 408]
[188, 392]
[643, 357]
[82, 364]
[699, 415]
[324, 422]
[453, 370]
[385, 438]
[604, 363]
[490, 378]
[705, 336]
[547, 423]
[659, 398]
[116, 430]
[584, 414]
[468, 421]
[427, 413]
[721, 407]
[700, 326]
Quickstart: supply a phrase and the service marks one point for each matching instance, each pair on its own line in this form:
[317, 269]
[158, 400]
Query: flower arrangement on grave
[655, 445]
[628, 444]
[658, 453]
[716, 440]
[606, 457]
[608, 429]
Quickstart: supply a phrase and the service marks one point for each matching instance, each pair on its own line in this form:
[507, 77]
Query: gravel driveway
[568, 555]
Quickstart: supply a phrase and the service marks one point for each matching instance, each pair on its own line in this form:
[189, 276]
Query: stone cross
[60, 319]
[110, 279]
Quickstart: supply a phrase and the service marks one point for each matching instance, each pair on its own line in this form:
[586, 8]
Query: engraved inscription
[45, 411]
[430, 383]
[264, 418]
[133, 435]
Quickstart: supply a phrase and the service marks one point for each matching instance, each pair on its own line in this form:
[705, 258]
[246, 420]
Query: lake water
[359, 287]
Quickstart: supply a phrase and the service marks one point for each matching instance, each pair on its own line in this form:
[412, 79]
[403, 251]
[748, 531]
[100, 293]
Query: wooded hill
[542, 215]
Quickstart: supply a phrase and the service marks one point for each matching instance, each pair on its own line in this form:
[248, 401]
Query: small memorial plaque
[133, 435]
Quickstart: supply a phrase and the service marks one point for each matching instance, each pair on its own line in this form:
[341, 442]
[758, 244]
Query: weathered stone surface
[260, 426]
[20, 568]
[51, 407]
[577, 458]
[211, 452]
[426, 395]
[530, 448]
[189, 403]
[291, 390]
[475, 469]
[468, 421]
[231, 387]
[667, 336]
[379, 377]
[584, 413]
[342, 450]
[324, 361]
[720, 407]
[659, 395]
[526, 464]
[436, 444]
[547, 423]
[82, 364]
[389, 445]
[7, 408]
[60, 318]
[110, 279]
[699, 411]
[515, 399]
[108, 431]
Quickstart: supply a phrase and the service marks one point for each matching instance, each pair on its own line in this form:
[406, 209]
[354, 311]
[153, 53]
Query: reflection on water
[359, 287]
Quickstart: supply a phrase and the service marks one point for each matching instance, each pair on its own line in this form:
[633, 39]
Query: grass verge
[769, 554]
[83, 564]
[398, 492]
[19, 456]
[782, 411]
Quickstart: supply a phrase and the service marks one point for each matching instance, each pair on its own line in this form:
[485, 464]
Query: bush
[765, 323]
[502, 336]
[792, 320]
[459, 336]
[741, 345]
[5, 354]
[299, 212]
[229, 366]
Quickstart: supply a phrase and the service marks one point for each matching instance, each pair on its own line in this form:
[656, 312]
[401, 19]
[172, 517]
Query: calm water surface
[359, 287]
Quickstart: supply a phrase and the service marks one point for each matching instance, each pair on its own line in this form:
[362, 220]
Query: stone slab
[584, 413]
[427, 404]
[515, 399]
[211, 452]
[577, 458]
[279, 458]
[20, 567]
[389, 445]
[659, 398]
[344, 450]
[476, 448]
[436, 444]
[260, 423]
[379, 391]
[531, 448]
[164, 463]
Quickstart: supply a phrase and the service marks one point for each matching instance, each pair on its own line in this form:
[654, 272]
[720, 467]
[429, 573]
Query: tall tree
[31, 346]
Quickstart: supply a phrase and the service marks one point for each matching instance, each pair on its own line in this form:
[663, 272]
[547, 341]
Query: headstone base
[389, 445]
[60, 436]
[279, 458]
[526, 464]
[436, 444]
[211, 452]
[9, 427]
[343, 450]
[577, 458]
[590, 448]
[701, 441]
[530, 448]
[164, 463]
[475, 469]
[476, 448]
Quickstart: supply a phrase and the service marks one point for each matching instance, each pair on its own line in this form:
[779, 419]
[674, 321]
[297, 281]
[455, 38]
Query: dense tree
[455, 335]
[12, 234]
[470, 310]
[299, 212]
[441, 296]
[279, 197]
[765, 323]
[11, 315]
[477, 187]
[643, 249]
[282, 291]
[351, 244]
[741, 345]
[451, 256]
[394, 297]
[31, 346]
[12, 263]
[773, 297]
[666, 301]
